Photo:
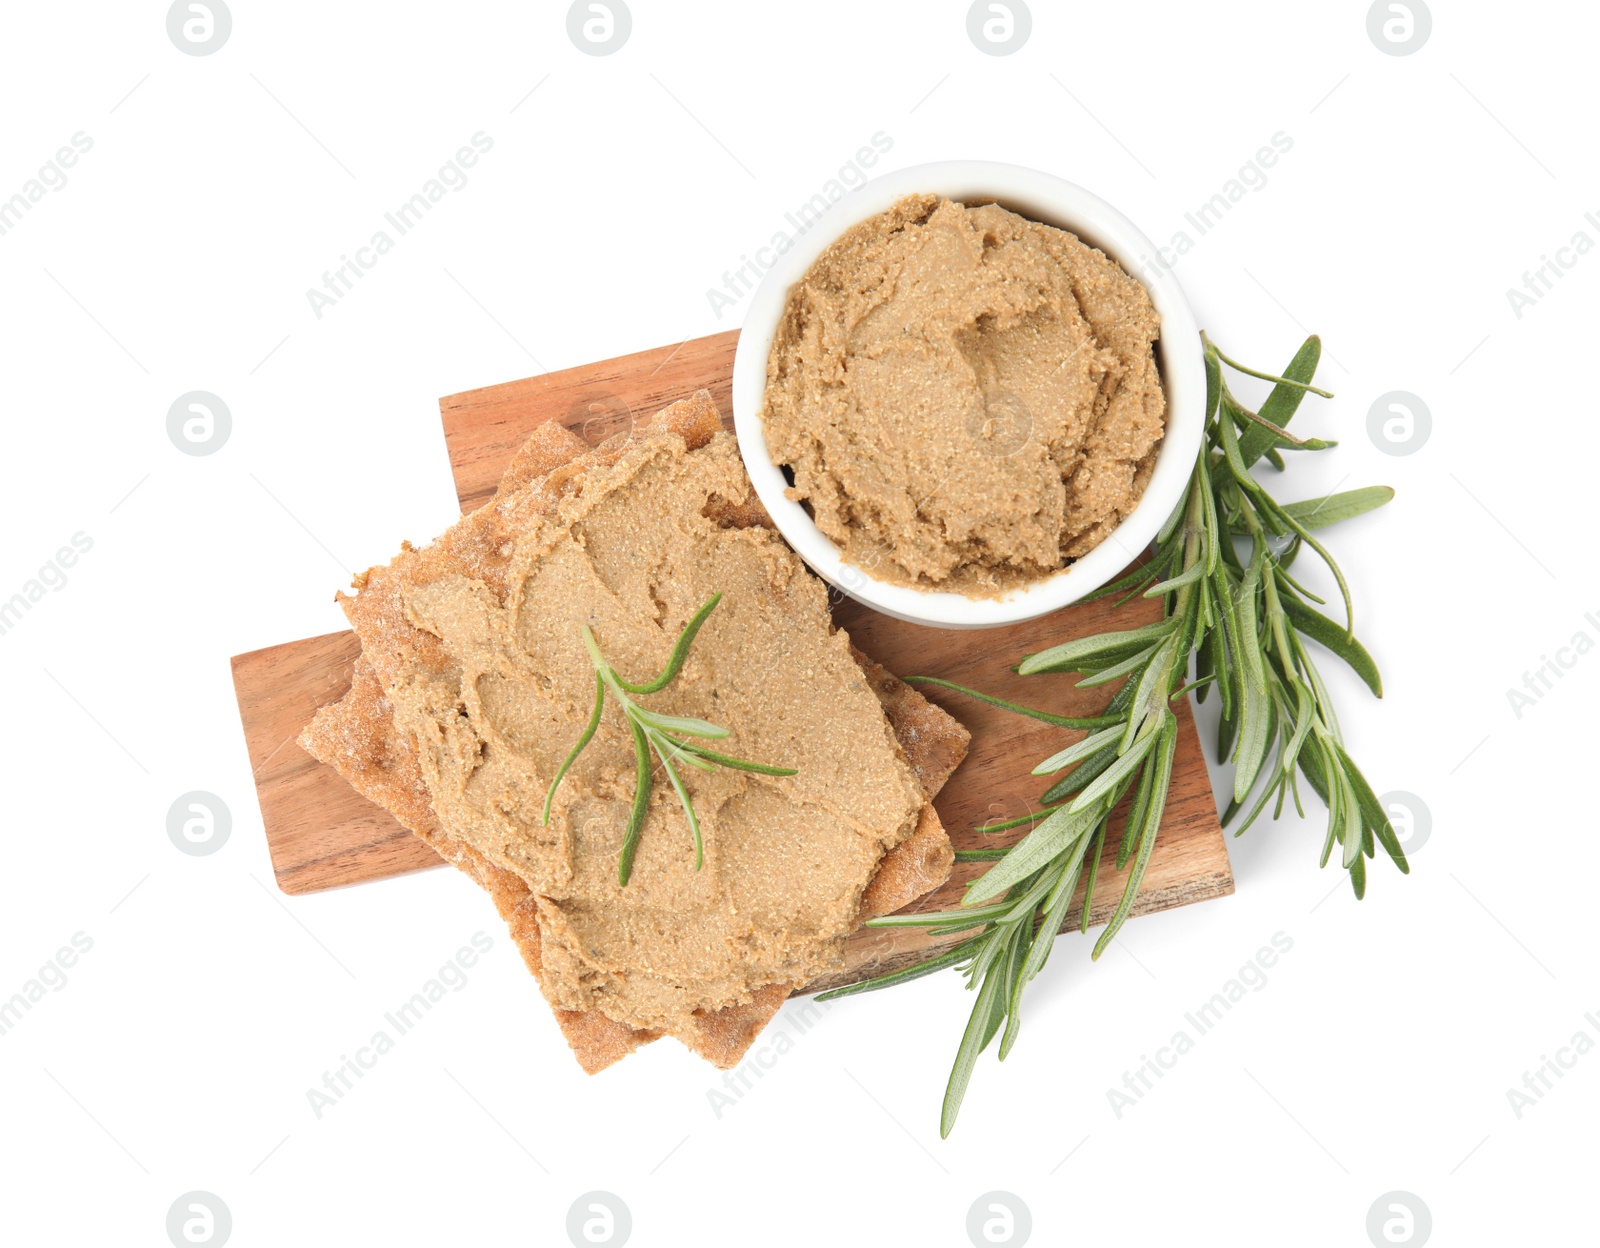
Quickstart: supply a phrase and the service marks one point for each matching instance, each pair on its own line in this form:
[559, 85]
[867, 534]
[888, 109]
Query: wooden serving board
[322, 834]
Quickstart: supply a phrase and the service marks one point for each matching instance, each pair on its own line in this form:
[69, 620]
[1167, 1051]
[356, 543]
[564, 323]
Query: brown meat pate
[967, 399]
[633, 554]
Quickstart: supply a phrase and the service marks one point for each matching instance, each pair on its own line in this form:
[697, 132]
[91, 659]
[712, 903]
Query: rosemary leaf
[1320, 628]
[737, 764]
[1060, 832]
[679, 723]
[1255, 735]
[981, 855]
[1080, 775]
[583, 740]
[1372, 811]
[680, 651]
[1094, 854]
[1285, 381]
[1162, 765]
[1121, 770]
[641, 804]
[956, 954]
[1060, 721]
[1319, 513]
[1284, 401]
[985, 1018]
[1062, 658]
[688, 806]
[1073, 753]
[987, 828]
[1038, 951]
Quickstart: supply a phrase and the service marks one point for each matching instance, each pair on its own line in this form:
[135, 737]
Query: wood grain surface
[485, 427]
[322, 834]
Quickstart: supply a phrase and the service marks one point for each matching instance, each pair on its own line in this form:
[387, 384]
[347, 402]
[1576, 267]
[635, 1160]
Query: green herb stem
[1244, 621]
[652, 730]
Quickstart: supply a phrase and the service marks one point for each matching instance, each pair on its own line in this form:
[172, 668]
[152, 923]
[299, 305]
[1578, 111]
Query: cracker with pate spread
[473, 684]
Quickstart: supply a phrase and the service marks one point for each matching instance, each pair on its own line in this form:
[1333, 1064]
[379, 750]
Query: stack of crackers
[358, 735]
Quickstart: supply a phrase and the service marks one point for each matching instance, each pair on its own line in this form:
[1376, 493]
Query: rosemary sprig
[1245, 621]
[653, 731]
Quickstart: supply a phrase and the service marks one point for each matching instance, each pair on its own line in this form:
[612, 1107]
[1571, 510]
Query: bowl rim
[1042, 197]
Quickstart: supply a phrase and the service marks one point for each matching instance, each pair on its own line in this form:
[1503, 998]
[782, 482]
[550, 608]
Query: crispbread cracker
[357, 736]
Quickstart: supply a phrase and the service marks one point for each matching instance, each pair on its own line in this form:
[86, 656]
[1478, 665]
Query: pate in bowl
[956, 403]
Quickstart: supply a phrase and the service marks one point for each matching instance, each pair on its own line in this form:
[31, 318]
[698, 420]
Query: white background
[177, 257]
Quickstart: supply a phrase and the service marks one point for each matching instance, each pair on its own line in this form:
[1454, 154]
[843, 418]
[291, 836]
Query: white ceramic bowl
[1040, 197]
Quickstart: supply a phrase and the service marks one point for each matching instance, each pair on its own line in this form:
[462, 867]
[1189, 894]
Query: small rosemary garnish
[1246, 621]
[654, 731]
